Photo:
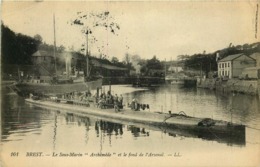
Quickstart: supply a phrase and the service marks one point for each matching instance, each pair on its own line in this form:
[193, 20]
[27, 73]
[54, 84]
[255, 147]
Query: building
[175, 69]
[70, 63]
[233, 65]
[107, 70]
[252, 72]
[43, 58]
[256, 56]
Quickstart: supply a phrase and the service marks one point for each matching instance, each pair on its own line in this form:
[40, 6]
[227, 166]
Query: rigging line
[181, 113]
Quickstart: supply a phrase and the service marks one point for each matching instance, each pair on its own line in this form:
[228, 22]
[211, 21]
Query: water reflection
[138, 132]
[16, 119]
[57, 129]
[106, 128]
[109, 128]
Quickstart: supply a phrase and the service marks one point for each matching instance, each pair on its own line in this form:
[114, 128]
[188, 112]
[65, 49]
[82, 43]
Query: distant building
[43, 58]
[252, 72]
[108, 70]
[46, 59]
[175, 69]
[233, 65]
[71, 63]
[256, 56]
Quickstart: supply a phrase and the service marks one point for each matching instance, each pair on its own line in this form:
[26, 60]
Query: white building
[233, 65]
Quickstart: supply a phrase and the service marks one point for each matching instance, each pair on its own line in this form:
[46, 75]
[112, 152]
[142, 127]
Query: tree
[182, 57]
[114, 60]
[89, 22]
[154, 63]
[38, 38]
[17, 48]
[60, 49]
[146, 65]
[127, 59]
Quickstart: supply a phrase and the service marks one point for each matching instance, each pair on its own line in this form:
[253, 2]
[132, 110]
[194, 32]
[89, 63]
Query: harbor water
[37, 136]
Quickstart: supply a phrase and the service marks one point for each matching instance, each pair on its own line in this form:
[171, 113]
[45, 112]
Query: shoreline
[250, 87]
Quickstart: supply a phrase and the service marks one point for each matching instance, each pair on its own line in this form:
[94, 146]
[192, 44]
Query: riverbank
[230, 86]
[7, 82]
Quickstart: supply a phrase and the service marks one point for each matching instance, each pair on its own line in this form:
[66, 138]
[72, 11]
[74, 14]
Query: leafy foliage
[17, 48]
[91, 23]
[207, 62]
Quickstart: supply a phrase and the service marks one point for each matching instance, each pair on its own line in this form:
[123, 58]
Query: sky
[163, 29]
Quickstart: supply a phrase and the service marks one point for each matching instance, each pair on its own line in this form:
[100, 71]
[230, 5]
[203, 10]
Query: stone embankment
[230, 86]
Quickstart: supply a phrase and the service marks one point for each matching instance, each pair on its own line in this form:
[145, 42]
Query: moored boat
[180, 123]
[52, 84]
[25, 88]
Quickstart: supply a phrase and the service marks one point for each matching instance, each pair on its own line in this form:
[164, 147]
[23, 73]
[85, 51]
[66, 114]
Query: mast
[54, 50]
[165, 68]
[87, 53]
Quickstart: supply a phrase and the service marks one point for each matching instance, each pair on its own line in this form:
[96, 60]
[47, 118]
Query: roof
[231, 57]
[110, 67]
[255, 55]
[42, 53]
[107, 66]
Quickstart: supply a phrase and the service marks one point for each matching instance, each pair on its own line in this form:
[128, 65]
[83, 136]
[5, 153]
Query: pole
[87, 54]
[200, 70]
[110, 86]
[54, 45]
[165, 69]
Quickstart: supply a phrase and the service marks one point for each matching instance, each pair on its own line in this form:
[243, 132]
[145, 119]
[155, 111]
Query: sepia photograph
[130, 83]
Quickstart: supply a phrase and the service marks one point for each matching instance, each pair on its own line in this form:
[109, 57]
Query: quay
[231, 86]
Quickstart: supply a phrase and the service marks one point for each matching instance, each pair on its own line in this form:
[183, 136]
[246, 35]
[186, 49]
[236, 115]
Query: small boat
[174, 123]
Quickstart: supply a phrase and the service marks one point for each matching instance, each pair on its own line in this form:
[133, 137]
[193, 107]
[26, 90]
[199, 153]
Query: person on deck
[120, 101]
[116, 103]
[134, 104]
[108, 98]
[115, 98]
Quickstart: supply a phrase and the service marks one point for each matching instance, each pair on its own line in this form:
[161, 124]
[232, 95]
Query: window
[225, 64]
[219, 65]
[222, 65]
[228, 64]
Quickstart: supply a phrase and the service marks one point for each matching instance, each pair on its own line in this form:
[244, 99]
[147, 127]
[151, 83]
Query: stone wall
[206, 83]
[231, 85]
[238, 86]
